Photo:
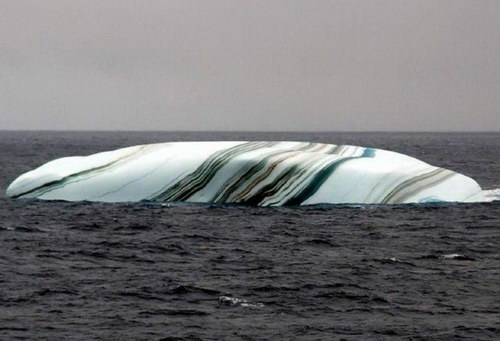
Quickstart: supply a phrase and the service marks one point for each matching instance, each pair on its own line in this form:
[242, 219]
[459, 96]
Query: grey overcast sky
[342, 65]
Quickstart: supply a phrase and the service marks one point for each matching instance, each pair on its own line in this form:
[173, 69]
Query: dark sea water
[94, 271]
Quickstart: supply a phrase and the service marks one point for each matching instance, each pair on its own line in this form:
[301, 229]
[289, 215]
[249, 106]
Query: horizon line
[253, 131]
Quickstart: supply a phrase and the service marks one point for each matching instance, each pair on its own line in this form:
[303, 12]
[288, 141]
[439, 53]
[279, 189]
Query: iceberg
[258, 173]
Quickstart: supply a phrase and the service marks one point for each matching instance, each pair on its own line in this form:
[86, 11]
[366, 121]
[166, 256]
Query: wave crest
[492, 194]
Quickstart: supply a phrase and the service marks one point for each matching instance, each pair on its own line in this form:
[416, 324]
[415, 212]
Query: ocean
[145, 271]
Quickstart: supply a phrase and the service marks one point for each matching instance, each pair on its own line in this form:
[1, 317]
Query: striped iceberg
[253, 173]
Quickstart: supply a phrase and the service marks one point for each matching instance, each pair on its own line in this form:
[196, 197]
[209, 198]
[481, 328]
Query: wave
[492, 194]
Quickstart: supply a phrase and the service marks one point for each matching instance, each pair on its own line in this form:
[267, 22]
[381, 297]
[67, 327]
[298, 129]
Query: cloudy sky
[348, 65]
